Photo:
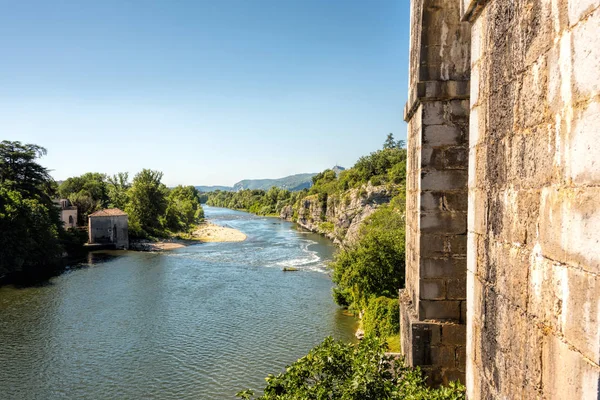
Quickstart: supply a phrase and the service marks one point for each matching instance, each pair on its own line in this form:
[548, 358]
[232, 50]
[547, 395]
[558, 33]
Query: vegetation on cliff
[373, 268]
[338, 370]
[383, 167]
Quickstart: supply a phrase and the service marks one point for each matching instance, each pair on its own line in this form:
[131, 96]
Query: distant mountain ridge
[213, 188]
[292, 183]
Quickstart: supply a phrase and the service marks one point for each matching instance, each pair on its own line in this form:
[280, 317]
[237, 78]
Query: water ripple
[201, 322]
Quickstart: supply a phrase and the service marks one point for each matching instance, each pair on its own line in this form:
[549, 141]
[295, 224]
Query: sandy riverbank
[209, 232]
[206, 232]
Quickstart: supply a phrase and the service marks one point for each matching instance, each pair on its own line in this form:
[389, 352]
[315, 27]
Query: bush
[338, 370]
[382, 317]
[374, 266]
[326, 227]
[341, 297]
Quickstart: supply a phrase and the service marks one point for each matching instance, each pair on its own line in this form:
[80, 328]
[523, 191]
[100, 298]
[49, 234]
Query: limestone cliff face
[338, 217]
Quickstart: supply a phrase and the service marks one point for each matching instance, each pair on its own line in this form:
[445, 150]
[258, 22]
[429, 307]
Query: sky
[208, 91]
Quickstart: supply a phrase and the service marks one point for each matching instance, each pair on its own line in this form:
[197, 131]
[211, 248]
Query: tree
[338, 370]
[147, 204]
[19, 171]
[88, 192]
[390, 143]
[30, 226]
[183, 209]
[118, 185]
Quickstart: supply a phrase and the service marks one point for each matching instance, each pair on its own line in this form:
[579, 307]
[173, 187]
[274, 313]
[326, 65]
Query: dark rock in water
[289, 269]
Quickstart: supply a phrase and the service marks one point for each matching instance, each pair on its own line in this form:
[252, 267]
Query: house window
[70, 219]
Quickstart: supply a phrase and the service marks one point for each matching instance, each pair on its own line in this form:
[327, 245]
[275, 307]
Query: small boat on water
[289, 269]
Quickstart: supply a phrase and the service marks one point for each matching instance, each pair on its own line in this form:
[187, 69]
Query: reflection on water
[201, 322]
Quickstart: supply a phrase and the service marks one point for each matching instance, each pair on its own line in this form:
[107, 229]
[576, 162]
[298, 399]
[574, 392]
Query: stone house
[68, 213]
[109, 226]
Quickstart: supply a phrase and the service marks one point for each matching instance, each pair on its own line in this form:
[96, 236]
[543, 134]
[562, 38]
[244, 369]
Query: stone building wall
[433, 305]
[533, 250]
[109, 229]
[534, 199]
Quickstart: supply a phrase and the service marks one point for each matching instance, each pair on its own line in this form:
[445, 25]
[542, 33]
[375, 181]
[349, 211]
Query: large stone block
[545, 294]
[586, 60]
[568, 226]
[578, 9]
[442, 268]
[580, 313]
[433, 289]
[440, 309]
[444, 223]
[582, 156]
[567, 374]
[443, 135]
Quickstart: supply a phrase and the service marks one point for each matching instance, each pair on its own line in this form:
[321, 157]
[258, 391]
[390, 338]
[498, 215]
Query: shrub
[326, 227]
[338, 370]
[382, 317]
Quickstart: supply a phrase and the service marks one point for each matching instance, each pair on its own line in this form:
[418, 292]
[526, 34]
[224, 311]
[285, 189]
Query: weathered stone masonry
[433, 308]
[533, 251]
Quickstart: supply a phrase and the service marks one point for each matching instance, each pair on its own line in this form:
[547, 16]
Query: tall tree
[118, 185]
[20, 171]
[30, 226]
[147, 203]
[184, 209]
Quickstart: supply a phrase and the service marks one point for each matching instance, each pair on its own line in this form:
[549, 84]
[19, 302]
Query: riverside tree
[147, 203]
[30, 226]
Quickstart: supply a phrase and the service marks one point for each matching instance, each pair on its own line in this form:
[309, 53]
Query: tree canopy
[338, 370]
[30, 227]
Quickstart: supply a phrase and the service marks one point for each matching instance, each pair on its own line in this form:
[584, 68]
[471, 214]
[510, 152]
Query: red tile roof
[108, 212]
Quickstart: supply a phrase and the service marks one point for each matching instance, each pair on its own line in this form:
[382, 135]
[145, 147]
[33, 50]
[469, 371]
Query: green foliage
[382, 167]
[30, 226]
[147, 204]
[382, 317]
[183, 210]
[374, 265]
[342, 297]
[19, 170]
[390, 143]
[88, 192]
[258, 202]
[338, 370]
[326, 227]
[153, 209]
[118, 185]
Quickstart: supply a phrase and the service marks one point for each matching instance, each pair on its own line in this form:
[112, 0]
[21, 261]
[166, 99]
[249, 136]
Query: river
[200, 322]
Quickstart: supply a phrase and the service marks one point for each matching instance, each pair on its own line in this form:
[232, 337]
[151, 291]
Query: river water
[201, 322]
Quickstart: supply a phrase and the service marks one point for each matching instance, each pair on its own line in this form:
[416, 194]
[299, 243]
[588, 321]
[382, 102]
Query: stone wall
[533, 251]
[534, 199]
[109, 229]
[433, 305]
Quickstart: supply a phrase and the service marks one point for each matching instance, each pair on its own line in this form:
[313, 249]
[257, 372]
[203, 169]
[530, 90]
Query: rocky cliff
[338, 216]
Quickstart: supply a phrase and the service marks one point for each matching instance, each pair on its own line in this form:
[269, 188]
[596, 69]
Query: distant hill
[292, 183]
[214, 188]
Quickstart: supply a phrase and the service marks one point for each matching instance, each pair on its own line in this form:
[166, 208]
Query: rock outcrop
[338, 216]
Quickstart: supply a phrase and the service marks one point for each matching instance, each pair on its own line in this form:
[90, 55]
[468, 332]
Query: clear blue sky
[208, 91]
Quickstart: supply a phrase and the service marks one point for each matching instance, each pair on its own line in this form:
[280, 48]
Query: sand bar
[209, 232]
[206, 232]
